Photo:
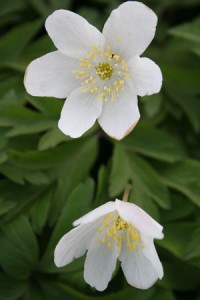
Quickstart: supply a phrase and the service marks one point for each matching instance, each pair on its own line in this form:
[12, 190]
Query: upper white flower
[100, 73]
[115, 230]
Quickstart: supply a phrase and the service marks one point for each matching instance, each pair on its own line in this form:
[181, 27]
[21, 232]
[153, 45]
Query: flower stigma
[104, 70]
[102, 73]
[114, 231]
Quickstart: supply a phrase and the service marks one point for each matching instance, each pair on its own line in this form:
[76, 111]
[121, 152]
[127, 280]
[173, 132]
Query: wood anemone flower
[100, 74]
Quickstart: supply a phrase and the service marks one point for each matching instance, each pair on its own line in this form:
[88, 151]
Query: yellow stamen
[98, 70]
[118, 231]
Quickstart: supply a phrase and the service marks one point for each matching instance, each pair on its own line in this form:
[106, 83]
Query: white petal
[138, 270]
[139, 218]
[74, 244]
[96, 213]
[72, 34]
[146, 76]
[120, 116]
[51, 75]
[99, 264]
[130, 28]
[150, 252]
[79, 113]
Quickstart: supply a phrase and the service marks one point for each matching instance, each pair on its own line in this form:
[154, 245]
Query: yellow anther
[119, 231]
[98, 68]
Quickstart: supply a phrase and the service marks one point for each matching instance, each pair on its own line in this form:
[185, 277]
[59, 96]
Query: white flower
[100, 73]
[115, 230]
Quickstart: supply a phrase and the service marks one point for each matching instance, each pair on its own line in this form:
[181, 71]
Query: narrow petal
[130, 29]
[99, 264]
[120, 116]
[51, 75]
[96, 213]
[74, 244]
[72, 34]
[138, 270]
[146, 76]
[150, 252]
[140, 219]
[79, 113]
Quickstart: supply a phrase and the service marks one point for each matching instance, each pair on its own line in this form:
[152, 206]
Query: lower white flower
[101, 74]
[115, 230]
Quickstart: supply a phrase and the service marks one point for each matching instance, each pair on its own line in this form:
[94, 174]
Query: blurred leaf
[154, 143]
[40, 210]
[13, 42]
[50, 107]
[8, 7]
[52, 138]
[22, 195]
[163, 294]
[11, 289]
[152, 104]
[23, 120]
[149, 181]
[189, 31]
[78, 203]
[127, 167]
[5, 206]
[176, 237]
[34, 292]
[185, 180]
[186, 171]
[193, 247]
[180, 208]
[19, 249]
[102, 182]
[120, 171]
[174, 279]
[141, 198]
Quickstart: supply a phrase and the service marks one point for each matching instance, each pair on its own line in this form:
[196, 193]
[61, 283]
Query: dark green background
[47, 180]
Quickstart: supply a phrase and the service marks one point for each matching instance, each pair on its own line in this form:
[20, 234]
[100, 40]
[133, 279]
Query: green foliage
[47, 180]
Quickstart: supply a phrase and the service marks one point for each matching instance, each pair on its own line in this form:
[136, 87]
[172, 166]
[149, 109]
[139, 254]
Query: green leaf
[193, 247]
[163, 294]
[152, 104]
[180, 208]
[141, 198]
[184, 181]
[23, 120]
[189, 31]
[8, 7]
[10, 288]
[149, 180]
[78, 203]
[154, 143]
[13, 42]
[52, 138]
[127, 166]
[176, 238]
[5, 206]
[50, 107]
[19, 249]
[40, 210]
[101, 191]
[51, 158]
[186, 171]
[120, 171]
[174, 279]
[22, 195]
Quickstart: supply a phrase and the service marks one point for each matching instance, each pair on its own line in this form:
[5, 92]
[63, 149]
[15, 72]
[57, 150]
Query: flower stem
[126, 193]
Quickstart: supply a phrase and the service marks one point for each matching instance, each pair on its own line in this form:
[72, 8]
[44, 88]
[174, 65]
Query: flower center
[104, 70]
[114, 231]
[102, 73]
